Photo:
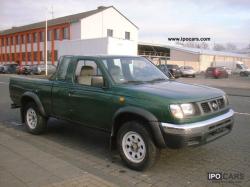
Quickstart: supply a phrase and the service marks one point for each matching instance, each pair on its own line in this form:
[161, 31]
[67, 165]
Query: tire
[35, 123]
[145, 154]
[243, 74]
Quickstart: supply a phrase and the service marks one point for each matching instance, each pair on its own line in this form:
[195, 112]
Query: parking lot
[71, 155]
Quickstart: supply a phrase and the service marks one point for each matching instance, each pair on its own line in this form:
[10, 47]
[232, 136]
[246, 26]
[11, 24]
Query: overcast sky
[221, 20]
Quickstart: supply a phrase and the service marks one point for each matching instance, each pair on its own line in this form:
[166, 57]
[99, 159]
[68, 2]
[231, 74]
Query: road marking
[240, 113]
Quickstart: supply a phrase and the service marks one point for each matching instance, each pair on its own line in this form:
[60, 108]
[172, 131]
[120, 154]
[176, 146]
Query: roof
[62, 20]
[198, 50]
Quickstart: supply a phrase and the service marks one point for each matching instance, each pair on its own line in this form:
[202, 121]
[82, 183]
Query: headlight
[187, 109]
[179, 111]
[176, 111]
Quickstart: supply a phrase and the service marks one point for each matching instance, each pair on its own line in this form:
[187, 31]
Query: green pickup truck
[129, 98]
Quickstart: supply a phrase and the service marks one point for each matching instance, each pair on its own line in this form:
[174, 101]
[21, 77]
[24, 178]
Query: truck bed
[19, 85]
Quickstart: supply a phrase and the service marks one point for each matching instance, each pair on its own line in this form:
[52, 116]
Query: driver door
[90, 105]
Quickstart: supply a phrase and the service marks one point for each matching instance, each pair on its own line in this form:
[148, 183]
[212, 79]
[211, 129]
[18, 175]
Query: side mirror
[97, 81]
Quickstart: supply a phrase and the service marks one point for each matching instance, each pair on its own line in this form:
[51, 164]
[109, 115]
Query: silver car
[40, 69]
[187, 71]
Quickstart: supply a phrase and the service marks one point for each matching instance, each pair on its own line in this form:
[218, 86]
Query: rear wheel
[35, 123]
[136, 146]
[243, 74]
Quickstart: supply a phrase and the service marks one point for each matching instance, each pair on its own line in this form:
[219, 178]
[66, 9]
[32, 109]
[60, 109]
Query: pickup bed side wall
[36, 99]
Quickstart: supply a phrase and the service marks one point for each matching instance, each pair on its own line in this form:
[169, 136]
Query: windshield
[132, 69]
[187, 67]
[244, 66]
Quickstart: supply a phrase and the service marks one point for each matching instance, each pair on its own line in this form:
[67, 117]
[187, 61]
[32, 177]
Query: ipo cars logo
[225, 177]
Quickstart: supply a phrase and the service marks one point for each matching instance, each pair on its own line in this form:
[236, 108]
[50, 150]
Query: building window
[57, 34]
[29, 56]
[110, 32]
[66, 33]
[42, 36]
[9, 38]
[28, 38]
[24, 56]
[22, 38]
[49, 35]
[55, 55]
[41, 56]
[35, 37]
[127, 35]
[35, 56]
[19, 39]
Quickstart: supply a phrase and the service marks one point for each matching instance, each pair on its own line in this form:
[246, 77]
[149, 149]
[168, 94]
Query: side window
[127, 35]
[62, 69]
[239, 66]
[110, 32]
[85, 70]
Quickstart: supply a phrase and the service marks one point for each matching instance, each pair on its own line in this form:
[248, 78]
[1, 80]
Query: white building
[101, 31]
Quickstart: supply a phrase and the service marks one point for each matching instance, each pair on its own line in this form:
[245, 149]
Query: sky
[224, 21]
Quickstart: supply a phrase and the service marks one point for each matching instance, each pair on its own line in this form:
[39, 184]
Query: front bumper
[177, 136]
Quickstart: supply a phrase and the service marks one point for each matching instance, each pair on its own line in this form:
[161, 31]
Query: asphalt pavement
[72, 155]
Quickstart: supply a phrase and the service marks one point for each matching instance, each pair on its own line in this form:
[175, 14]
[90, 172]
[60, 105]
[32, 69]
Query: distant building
[101, 31]
[244, 51]
[200, 59]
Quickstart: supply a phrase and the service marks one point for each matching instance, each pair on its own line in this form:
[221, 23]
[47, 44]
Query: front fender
[148, 116]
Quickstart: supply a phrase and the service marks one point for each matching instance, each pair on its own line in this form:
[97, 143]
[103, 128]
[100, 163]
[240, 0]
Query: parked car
[41, 69]
[245, 73]
[216, 72]
[9, 68]
[234, 66]
[187, 71]
[24, 69]
[229, 71]
[174, 70]
[28, 70]
[165, 70]
[1, 68]
[128, 98]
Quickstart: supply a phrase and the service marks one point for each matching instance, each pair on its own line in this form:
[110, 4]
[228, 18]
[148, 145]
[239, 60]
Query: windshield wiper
[158, 79]
[135, 81]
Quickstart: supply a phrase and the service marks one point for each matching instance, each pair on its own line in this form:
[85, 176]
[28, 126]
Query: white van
[236, 66]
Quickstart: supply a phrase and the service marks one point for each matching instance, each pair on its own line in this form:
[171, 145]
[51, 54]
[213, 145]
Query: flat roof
[197, 50]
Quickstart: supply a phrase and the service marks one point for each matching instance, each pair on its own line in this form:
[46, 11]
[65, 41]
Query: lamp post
[46, 54]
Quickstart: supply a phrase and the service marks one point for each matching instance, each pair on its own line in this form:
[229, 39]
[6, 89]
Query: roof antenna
[52, 11]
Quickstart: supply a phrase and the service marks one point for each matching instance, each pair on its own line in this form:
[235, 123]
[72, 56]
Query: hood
[171, 90]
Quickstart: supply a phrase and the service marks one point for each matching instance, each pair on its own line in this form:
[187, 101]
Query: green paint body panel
[96, 107]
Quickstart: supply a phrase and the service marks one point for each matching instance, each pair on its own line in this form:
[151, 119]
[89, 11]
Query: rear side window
[62, 69]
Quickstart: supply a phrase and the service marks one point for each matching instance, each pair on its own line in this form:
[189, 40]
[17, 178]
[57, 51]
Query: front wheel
[35, 123]
[136, 146]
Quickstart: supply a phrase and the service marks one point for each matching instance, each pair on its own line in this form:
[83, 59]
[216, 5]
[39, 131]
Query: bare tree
[219, 47]
[202, 45]
[231, 47]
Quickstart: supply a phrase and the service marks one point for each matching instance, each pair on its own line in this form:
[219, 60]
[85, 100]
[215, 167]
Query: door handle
[70, 93]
